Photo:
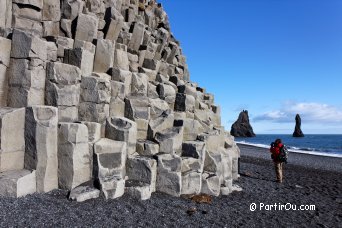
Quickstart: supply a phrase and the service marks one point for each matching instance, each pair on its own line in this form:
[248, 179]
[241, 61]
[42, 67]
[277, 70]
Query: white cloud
[309, 112]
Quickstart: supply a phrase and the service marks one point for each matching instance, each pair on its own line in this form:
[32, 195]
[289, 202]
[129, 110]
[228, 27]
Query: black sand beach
[309, 180]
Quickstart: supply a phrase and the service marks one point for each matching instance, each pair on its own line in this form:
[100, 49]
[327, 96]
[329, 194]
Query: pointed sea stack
[242, 127]
[297, 131]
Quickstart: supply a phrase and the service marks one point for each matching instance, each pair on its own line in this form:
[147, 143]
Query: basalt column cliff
[96, 98]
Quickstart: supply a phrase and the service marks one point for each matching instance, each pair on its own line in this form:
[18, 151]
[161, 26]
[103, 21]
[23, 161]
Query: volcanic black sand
[304, 184]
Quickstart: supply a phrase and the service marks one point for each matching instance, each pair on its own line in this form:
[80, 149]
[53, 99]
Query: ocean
[329, 145]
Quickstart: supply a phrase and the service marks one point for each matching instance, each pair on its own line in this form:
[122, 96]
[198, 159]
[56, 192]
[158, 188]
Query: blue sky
[274, 58]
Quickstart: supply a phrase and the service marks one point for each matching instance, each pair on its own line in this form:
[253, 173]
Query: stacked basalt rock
[95, 98]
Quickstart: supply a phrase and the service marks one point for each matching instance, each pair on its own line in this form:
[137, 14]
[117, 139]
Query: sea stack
[242, 127]
[297, 131]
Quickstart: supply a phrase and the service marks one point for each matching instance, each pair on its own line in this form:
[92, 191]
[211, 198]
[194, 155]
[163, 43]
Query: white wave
[254, 144]
[327, 154]
[295, 150]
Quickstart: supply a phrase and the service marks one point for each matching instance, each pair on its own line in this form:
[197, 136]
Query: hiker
[279, 157]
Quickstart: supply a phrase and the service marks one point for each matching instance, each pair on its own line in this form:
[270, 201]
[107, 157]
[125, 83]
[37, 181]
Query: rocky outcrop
[298, 131]
[242, 127]
[96, 98]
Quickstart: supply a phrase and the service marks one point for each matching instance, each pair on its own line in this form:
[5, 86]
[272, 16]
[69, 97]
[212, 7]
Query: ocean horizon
[317, 144]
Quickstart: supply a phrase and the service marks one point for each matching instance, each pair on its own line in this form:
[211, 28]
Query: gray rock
[3, 85]
[73, 155]
[12, 145]
[67, 113]
[94, 131]
[5, 54]
[194, 149]
[51, 49]
[226, 172]
[139, 84]
[170, 140]
[62, 44]
[213, 139]
[62, 73]
[96, 90]
[92, 112]
[114, 29]
[62, 95]
[191, 183]
[51, 10]
[117, 90]
[167, 93]
[213, 162]
[138, 190]
[83, 193]
[27, 74]
[71, 8]
[169, 175]
[158, 108]
[234, 153]
[159, 124]
[142, 169]
[50, 29]
[17, 183]
[6, 14]
[147, 148]
[116, 107]
[25, 45]
[26, 12]
[123, 76]
[121, 60]
[82, 58]
[109, 167]
[152, 91]
[210, 184]
[137, 36]
[86, 27]
[104, 55]
[65, 28]
[96, 6]
[27, 25]
[192, 128]
[41, 145]
[11, 160]
[122, 129]
[36, 3]
[22, 97]
[137, 107]
[184, 102]
[192, 165]
[12, 129]
[151, 64]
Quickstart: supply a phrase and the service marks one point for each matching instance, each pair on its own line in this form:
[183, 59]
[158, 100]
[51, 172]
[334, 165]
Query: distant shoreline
[315, 153]
[315, 161]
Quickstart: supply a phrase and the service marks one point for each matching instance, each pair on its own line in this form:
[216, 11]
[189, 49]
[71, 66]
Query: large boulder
[73, 155]
[41, 145]
[12, 144]
[109, 167]
[17, 183]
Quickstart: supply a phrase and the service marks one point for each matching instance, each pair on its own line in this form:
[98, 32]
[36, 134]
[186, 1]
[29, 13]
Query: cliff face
[298, 131]
[242, 127]
[98, 91]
